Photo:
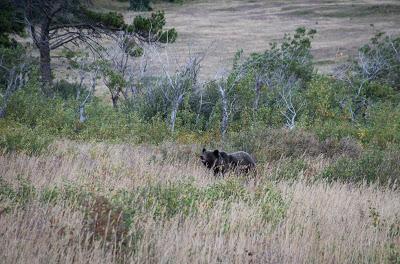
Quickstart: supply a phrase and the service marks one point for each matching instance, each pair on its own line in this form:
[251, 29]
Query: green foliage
[153, 28]
[322, 97]
[289, 169]
[111, 20]
[159, 201]
[19, 137]
[273, 206]
[293, 56]
[20, 195]
[10, 23]
[230, 190]
[10, 57]
[168, 36]
[44, 115]
[166, 201]
[274, 144]
[336, 129]
[270, 77]
[383, 51]
[171, 200]
[374, 166]
[140, 5]
[34, 121]
[383, 126]
[114, 79]
[185, 199]
[66, 90]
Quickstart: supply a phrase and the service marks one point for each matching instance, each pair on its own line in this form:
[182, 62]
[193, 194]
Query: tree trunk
[114, 99]
[224, 123]
[45, 67]
[82, 116]
[16, 80]
[257, 89]
[174, 111]
[2, 111]
[199, 111]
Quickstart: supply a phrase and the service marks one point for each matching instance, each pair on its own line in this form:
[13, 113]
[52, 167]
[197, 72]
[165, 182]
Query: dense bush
[140, 5]
[33, 121]
[374, 166]
[18, 137]
[10, 57]
[273, 144]
[10, 23]
[381, 54]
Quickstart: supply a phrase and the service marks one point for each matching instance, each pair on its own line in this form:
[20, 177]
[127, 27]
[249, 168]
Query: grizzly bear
[221, 162]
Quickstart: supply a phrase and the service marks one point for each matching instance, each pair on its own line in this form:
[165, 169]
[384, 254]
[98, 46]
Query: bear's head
[210, 159]
[216, 160]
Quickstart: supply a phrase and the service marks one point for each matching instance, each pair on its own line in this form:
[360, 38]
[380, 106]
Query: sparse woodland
[106, 169]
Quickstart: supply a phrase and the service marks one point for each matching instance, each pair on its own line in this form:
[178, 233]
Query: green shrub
[383, 127]
[169, 200]
[322, 96]
[377, 166]
[10, 57]
[153, 27]
[18, 137]
[335, 129]
[140, 5]
[20, 195]
[66, 90]
[288, 169]
[10, 23]
[273, 144]
[229, 191]
[383, 52]
[50, 116]
[33, 117]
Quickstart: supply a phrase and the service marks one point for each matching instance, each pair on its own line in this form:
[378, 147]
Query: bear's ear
[204, 150]
[216, 152]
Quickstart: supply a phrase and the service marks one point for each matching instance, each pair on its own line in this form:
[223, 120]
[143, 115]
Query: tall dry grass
[320, 223]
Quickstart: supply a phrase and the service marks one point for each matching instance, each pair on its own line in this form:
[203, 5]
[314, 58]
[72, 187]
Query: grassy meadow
[113, 203]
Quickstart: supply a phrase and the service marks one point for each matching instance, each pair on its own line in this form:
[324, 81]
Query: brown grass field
[223, 27]
[292, 222]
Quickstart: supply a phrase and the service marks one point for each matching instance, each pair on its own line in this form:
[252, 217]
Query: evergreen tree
[55, 23]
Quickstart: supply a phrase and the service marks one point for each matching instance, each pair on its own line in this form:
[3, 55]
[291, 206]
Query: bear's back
[242, 158]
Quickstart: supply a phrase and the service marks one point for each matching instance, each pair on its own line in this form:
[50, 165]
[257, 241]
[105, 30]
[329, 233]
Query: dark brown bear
[221, 162]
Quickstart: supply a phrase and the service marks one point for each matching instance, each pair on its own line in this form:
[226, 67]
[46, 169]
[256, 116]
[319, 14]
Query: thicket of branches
[154, 97]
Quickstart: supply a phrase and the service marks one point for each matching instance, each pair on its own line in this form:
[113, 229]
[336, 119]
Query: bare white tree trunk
[175, 87]
[369, 68]
[82, 105]
[175, 107]
[17, 77]
[225, 113]
[199, 111]
[257, 90]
